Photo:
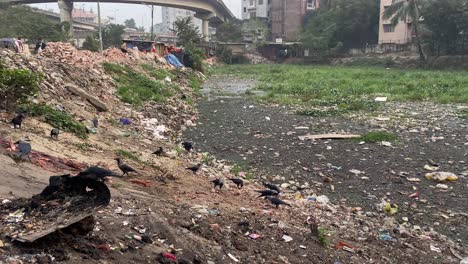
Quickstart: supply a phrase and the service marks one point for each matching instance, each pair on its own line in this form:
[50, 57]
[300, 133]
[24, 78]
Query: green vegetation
[158, 74]
[377, 136]
[127, 154]
[91, 44]
[136, 88]
[56, 118]
[352, 88]
[13, 23]
[463, 113]
[195, 82]
[85, 146]
[189, 37]
[323, 236]
[16, 86]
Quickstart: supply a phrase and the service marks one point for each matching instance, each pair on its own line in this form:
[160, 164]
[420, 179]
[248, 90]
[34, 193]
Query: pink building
[401, 33]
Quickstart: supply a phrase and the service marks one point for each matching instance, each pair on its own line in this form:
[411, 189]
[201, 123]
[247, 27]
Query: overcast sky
[140, 13]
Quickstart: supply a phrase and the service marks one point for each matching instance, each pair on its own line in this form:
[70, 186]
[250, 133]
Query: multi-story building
[170, 15]
[256, 9]
[287, 17]
[401, 33]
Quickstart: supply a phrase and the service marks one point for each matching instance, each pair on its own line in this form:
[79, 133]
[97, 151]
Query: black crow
[188, 146]
[272, 187]
[218, 182]
[239, 182]
[124, 167]
[265, 193]
[54, 133]
[277, 201]
[17, 121]
[95, 122]
[24, 148]
[96, 173]
[195, 168]
[159, 152]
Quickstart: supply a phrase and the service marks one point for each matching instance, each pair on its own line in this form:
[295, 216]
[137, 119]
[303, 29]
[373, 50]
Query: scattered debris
[327, 136]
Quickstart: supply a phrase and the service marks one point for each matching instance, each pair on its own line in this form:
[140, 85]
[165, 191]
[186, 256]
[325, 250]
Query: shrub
[56, 118]
[16, 86]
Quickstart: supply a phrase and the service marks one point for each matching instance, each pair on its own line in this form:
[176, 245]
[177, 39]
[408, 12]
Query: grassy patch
[83, 146]
[127, 154]
[57, 119]
[378, 136]
[207, 158]
[195, 82]
[323, 236]
[135, 87]
[306, 85]
[158, 74]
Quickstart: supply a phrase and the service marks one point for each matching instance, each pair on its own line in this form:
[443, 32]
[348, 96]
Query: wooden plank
[31, 237]
[327, 136]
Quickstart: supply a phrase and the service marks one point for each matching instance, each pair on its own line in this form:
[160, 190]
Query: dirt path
[265, 138]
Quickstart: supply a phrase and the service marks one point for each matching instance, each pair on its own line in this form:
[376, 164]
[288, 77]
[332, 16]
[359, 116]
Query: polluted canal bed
[267, 140]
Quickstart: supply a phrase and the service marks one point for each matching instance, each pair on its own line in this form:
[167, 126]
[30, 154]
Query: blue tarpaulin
[173, 60]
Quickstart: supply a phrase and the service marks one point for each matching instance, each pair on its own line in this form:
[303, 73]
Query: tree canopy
[130, 23]
[342, 23]
[21, 21]
[112, 35]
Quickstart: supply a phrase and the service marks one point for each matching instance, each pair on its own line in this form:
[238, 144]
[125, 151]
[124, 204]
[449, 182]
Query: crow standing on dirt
[238, 182]
[272, 187]
[188, 146]
[266, 193]
[54, 133]
[24, 149]
[195, 168]
[218, 182]
[277, 201]
[159, 152]
[124, 167]
[17, 121]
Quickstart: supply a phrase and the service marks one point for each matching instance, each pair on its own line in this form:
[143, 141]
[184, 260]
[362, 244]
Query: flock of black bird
[99, 174]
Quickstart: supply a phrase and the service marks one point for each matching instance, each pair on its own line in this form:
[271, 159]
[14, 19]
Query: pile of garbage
[65, 201]
[256, 58]
[75, 81]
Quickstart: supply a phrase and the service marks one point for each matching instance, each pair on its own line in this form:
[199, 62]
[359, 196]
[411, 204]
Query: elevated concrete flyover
[211, 12]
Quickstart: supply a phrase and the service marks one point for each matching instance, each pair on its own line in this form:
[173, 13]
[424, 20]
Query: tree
[404, 10]
[341, 24]
[14, 24]
[230, 31]
[112, 35]
[91, 44]
[189, 37]
[142, 29]
[187, 33]
[447, 24]
[130, 23]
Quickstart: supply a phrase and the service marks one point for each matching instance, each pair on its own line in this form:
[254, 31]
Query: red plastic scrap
[170, 256]
[103, 247]
[342, 245]
[414, 195]
[144, 183]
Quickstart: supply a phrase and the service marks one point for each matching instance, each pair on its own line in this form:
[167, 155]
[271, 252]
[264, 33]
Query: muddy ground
[234, 127]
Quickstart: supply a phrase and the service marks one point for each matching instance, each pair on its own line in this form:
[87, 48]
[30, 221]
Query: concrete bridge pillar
[205, 30]
[66, 9]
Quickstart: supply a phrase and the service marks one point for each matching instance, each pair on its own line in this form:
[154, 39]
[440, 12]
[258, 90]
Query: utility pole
[100, 28]
[152, 22]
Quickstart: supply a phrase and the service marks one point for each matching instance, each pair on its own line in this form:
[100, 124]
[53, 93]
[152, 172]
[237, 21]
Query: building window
[310, 4]
[260, 2]
[251, 2]
[245, 9]
[388, 28]
[253, 15]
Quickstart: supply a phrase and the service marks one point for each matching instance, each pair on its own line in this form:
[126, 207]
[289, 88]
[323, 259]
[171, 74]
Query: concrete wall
[402, 33]
[259, 8]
